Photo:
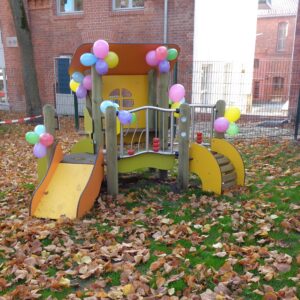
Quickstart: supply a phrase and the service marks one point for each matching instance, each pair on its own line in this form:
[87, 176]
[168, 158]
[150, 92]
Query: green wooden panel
[88, 122]
[146, 160]
[42, 167]
[83, 146]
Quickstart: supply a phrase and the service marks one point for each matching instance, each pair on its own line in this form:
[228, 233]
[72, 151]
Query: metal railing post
[297, 121]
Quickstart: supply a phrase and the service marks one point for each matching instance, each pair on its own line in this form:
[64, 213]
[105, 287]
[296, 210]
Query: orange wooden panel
[132, 58]
[92, 188]
[39, 192]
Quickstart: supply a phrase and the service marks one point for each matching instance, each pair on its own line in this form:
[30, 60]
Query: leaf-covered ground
[153, 242]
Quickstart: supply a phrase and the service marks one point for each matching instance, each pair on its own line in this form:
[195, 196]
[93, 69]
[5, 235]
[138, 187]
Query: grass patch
[56, 294]
[28, 186]
[113, 278]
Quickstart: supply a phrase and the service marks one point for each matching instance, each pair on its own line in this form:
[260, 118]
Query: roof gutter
[165, 21]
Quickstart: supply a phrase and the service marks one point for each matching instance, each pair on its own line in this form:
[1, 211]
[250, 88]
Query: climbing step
[226, 177]
[217, 155]
[223, 161]
[226, 168]
[228, 184]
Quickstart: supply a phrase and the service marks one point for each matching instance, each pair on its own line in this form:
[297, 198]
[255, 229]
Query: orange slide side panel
[92, 188]
[39, 192]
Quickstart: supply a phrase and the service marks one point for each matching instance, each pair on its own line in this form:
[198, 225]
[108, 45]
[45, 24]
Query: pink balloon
[151, 58]
[101, 48]
[221, 124]
[39, 150]
[87, 82]
[46, 139]
[161, 53]
[176, 92]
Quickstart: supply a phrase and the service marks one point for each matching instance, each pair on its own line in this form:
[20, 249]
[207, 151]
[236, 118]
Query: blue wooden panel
[63, 78]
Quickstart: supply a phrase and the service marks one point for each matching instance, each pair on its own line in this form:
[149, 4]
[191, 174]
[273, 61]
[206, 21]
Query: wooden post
[183, 155]
[111, 151]
[50, 124]
[152, 99]
[163, 101]
[98, 135]
[220, 108]
[76, 114]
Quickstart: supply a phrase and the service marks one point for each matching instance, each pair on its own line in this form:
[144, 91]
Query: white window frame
[67, 12]
[130, 7]
[282, 34]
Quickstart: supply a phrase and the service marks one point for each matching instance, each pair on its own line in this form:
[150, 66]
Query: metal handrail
[152, 107]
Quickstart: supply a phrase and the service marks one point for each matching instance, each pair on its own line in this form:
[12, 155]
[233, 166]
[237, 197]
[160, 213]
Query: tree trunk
[33, 102]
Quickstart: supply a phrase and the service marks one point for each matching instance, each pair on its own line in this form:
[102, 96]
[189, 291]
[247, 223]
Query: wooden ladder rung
[217, 155]
[228, 177]
[223, 161]
[228, 184]
[226, 168]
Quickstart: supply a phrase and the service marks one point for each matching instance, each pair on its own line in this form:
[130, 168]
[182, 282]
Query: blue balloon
[77, 76]
[88, 59]
[116, 105]
[105, 104]
[39, 129]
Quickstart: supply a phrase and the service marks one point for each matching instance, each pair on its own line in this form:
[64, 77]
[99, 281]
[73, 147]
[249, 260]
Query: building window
[256, 63]
[282, 36]
[256, 89]
[127, 4]
[278, 83]
[119, 95]
[69, 6]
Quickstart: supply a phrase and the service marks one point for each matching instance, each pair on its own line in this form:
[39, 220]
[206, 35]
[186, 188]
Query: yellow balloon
[232, 114]
[175, 106]
[112, 59]
[74, 85]
[118, 126]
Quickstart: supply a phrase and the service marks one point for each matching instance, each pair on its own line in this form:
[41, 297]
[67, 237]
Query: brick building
[58, 27]
[276, 25]
[295, 82]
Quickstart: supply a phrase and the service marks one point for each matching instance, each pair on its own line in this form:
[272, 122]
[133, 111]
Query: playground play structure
[160, 135]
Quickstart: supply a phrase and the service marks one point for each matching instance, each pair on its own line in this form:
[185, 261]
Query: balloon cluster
[161, 57]
[124, 116]
[102, 58]
[227, 123]
[40, 139]
[176, 96]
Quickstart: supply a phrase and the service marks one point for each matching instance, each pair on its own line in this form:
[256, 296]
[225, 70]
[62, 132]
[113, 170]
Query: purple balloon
[164, 66]
[124, 117]
[151, 58]
[101, 67]
[39, 150]
[221, 124]
[81, 92]
[87, 82]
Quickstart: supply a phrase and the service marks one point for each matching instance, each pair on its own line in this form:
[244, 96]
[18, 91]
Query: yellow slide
[219, 167]
[69, 187]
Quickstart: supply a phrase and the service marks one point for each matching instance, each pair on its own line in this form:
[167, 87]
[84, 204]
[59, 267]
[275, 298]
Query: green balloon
[32, 138]
[233, 129]
[172, 54]
[133, 118]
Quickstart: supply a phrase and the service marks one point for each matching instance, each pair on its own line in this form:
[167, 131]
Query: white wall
[225, 31]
